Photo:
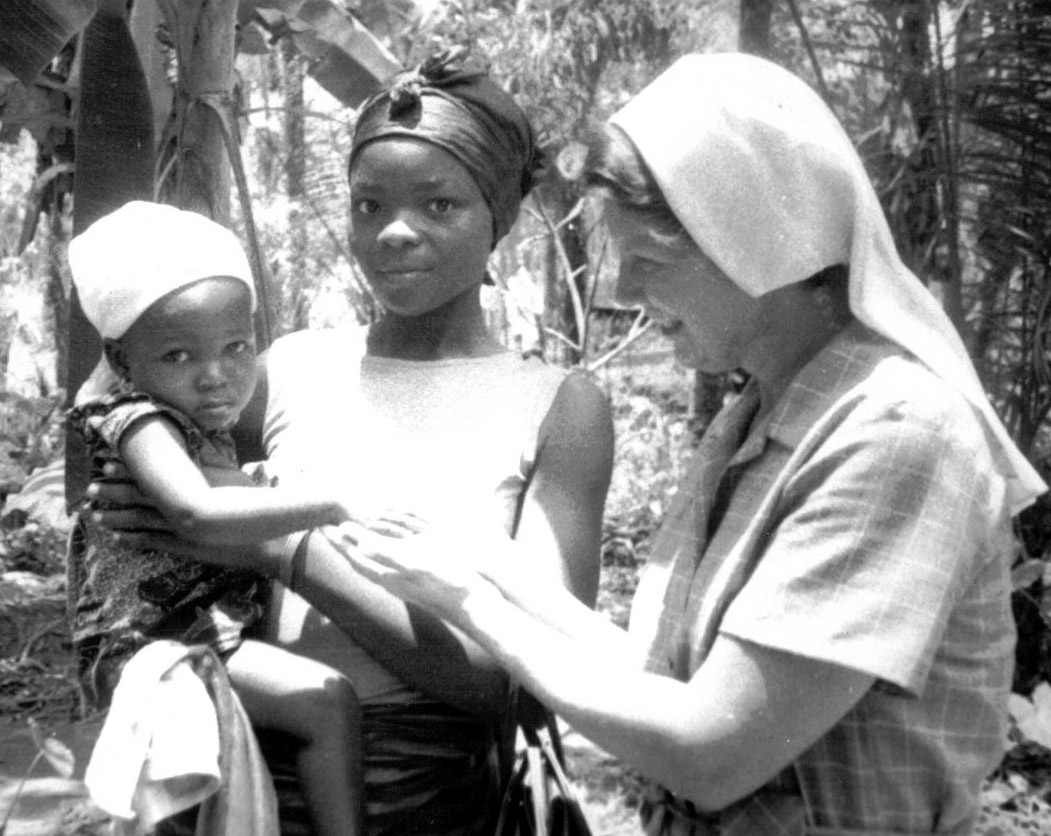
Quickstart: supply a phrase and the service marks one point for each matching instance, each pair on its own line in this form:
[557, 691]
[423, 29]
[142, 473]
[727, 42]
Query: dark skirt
[430, 770]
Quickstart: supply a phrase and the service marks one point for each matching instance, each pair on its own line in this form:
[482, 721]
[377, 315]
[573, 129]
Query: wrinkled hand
[424, 564]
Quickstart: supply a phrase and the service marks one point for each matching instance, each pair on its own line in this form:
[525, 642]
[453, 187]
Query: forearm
[420, 649]
[743, 717]
[582, 676]
[554, 605]
[237, 515]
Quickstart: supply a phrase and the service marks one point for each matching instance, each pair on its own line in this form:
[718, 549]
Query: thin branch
[809, 47]
[638, 328]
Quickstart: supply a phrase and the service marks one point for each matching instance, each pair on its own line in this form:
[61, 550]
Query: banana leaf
[35, 30]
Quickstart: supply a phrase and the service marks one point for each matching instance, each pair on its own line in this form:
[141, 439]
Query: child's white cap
[127, 260]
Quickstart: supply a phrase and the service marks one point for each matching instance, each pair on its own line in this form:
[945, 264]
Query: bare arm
[747, 713]
[419, 648]
[156, 457]
[560, 525]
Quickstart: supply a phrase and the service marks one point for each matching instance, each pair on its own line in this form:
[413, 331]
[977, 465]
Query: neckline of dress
[504, 356]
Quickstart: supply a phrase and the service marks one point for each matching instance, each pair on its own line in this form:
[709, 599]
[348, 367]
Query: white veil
[766, 181]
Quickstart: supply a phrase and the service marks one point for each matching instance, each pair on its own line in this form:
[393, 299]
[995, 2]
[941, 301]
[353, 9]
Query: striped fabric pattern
[429, 770]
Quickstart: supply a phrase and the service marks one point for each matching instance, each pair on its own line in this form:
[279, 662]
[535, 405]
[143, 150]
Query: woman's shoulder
[573, 402]
[904, 385]
[903, 402]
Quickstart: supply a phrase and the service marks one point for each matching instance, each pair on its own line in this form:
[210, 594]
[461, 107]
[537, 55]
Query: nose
[212, 374]
[629, 289]
[397, 233]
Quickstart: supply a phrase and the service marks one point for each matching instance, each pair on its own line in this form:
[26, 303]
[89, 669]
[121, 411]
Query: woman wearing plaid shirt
[823, 634]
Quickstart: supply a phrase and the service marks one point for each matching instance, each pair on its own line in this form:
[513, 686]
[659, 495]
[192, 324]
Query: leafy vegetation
[948, 102]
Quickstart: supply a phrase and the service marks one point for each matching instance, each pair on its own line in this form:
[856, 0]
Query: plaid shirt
[861, 523]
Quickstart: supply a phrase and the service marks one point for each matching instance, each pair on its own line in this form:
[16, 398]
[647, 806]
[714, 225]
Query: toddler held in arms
[171, 294]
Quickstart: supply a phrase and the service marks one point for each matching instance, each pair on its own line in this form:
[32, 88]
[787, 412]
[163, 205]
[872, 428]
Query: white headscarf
[136, 255]
[766, 181]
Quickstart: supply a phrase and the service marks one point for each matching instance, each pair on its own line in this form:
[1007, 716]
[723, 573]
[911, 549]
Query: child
[171, 294]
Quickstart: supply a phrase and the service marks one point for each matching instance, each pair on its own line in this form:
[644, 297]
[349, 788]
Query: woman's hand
[115, 502]
[433, 566]
[458, 552]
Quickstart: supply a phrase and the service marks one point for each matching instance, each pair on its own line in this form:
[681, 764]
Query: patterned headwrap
[456, 106]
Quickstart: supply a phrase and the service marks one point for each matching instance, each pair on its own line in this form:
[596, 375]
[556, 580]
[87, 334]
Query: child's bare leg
[314, 703]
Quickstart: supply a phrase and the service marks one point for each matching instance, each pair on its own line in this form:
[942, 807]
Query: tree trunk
[204, 33]
[143, 22]
[754, 35]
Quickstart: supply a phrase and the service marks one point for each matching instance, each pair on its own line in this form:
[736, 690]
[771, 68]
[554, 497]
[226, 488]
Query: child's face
[194, 350]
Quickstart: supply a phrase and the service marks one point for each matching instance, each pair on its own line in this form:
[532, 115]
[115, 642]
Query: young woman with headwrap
[425, 411]
[822, 636]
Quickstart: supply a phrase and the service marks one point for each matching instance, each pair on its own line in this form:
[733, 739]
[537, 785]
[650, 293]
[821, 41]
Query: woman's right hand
[115, 502]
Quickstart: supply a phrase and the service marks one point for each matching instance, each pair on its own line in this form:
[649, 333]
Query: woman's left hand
[432, 566]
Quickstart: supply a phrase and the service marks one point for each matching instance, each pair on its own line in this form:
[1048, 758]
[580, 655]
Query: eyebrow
[429, 184]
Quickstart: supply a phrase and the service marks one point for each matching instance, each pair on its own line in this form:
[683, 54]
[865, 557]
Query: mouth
[401, 274]
[216, 408]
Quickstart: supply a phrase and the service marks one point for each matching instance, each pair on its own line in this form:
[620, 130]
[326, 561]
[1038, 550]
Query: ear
[117, 358]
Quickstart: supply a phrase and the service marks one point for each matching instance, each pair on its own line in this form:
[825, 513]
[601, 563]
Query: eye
[177, 356]
[440, 205]
[365, 206]
[238, 347]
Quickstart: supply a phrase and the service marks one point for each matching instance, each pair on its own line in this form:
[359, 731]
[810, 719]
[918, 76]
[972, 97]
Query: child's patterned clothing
[121, 598]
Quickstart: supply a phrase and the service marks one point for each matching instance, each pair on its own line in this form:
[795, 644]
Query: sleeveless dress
[442, 437]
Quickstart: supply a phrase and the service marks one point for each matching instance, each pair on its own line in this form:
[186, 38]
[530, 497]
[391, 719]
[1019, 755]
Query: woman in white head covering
[823, 631]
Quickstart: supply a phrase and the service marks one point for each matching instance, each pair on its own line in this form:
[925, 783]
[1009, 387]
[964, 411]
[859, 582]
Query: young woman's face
[194, 350]
[419, 226]
[712, 323]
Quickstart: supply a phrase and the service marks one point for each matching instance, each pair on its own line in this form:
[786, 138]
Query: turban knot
[452, 103]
